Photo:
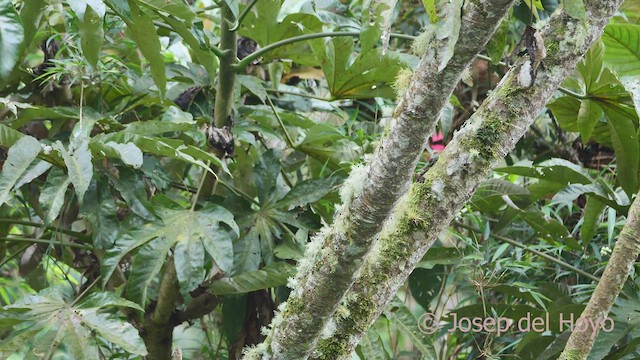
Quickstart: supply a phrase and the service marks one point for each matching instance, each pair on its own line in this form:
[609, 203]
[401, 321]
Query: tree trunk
[624, 255]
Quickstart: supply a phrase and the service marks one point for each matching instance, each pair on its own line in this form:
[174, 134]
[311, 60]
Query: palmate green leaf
[369, 74]
[52, 194]
[20, 156]
[400, 315]
[143, 32]
[262, 25]
[11, 38]
[270, 276]
[199, 44]
[52, 320]
[193, 233]
[547, 228]
[78, 163]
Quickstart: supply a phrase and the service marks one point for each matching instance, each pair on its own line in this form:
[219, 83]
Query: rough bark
[429, 207]
[620, 264]
[372, 191]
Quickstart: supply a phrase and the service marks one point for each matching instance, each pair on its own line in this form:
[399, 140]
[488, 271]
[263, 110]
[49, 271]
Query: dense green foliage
[105, 107]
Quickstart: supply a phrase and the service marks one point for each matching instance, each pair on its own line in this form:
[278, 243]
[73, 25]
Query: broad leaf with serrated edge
[194, 233]
[55, 319]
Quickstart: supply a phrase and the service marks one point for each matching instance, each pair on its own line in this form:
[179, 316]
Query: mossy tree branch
[615, 274]
[429, 207]
[370, 193]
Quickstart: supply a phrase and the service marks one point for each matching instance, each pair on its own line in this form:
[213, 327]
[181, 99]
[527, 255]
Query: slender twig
[207, 8]
[15, 254]
[239, 192]
[537, 252]
[284, 129]
[47, 227]
[85, 291]
[197, 194]
[242, 15]
[43, 241]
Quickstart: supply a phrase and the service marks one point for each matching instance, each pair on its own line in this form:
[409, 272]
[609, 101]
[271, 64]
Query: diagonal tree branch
[372, 191]
[615, 274]
[429, 207]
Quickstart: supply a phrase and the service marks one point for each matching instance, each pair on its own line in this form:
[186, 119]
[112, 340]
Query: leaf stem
[240, 66]
[242, 15]
[284, 129]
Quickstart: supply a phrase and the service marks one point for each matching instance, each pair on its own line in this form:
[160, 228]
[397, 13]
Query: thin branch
[43, 241]
[47, 227]
[534, 251]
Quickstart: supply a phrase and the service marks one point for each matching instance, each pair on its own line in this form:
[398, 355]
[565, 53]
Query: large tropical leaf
[194, 234]
[50, 319]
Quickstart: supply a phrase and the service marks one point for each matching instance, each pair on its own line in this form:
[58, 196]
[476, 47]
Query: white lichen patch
[524, 75]
[329, 329]
[257, 352]
[437, 188]
[292, 283]
[354, 185]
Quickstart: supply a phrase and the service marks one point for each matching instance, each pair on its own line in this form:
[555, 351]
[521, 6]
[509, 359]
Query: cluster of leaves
[102, 108]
